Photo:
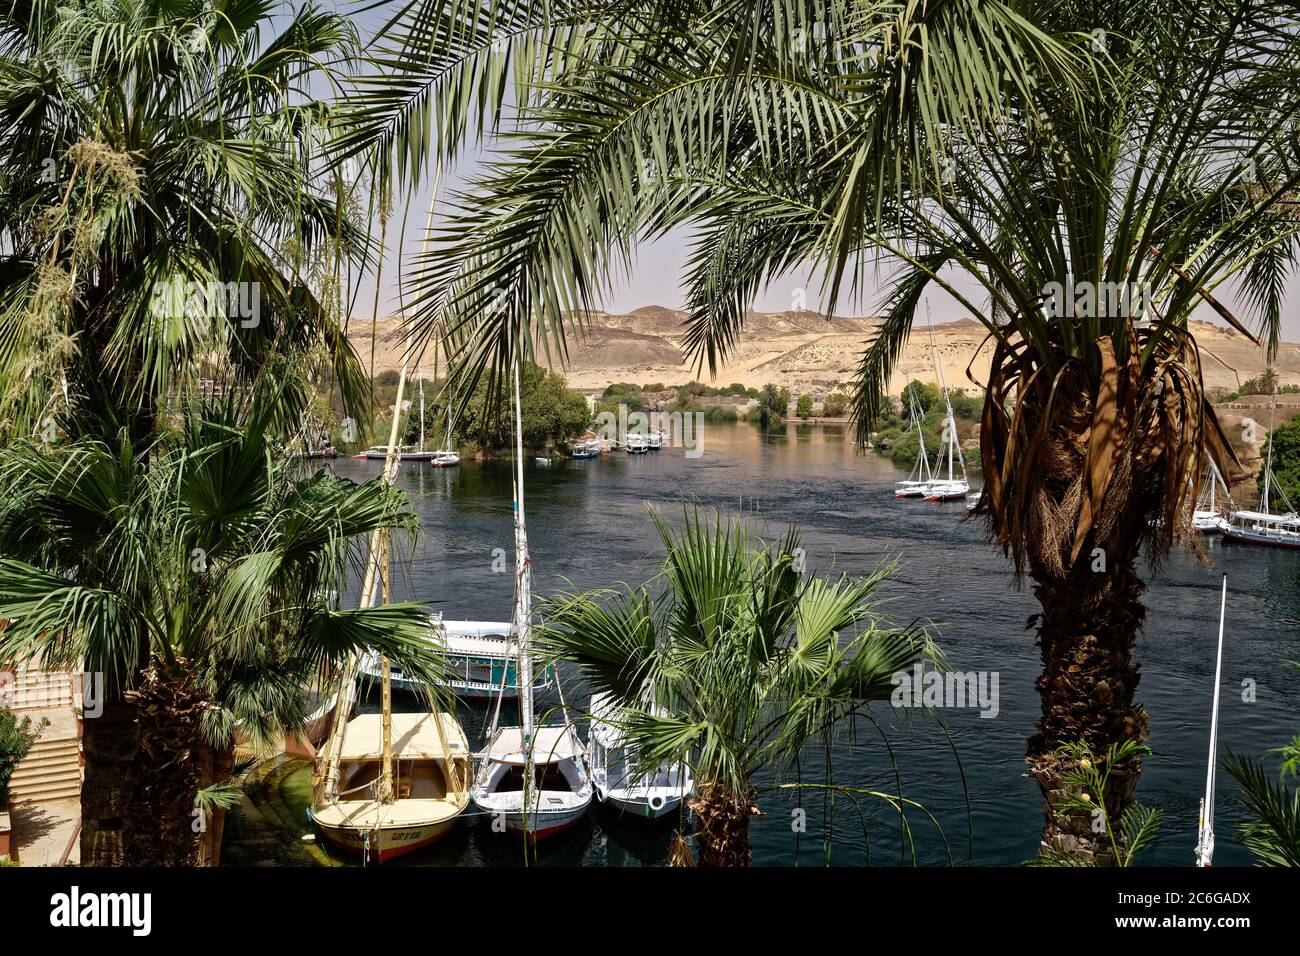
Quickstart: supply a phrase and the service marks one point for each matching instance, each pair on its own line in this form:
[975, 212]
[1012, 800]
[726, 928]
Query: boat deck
[371, 815]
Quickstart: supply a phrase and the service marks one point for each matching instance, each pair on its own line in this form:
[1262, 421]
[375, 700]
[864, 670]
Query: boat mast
[1268, 465]
[347, 685]
[421, 445]
[1205, 830]
[951, 425]
[523, 595]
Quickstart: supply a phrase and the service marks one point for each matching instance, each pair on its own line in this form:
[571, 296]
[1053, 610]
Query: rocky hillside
[805, 352]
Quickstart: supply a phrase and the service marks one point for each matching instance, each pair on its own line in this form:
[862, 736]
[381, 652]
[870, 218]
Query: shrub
[16, 739]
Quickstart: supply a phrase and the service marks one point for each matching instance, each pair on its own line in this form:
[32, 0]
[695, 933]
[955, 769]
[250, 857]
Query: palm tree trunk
[109, 745]
[1089, 623]
[164, 828]
[722, 826]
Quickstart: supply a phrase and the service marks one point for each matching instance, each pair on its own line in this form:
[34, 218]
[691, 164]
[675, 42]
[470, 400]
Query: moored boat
[636, 444]
[481, 659]
[619, 779]
[430, 785]
[1279, 530]
[388, 784]
[532, 780]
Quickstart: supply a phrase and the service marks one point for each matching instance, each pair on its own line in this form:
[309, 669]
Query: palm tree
[165, 214]
[166, 208]
[214, 563]
[1068, 159]
[745, 658]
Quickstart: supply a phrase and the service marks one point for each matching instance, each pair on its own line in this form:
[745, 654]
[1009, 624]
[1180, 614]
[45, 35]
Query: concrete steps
[51, 770]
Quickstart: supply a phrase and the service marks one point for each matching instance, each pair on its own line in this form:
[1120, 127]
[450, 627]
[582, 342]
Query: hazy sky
[656, 276]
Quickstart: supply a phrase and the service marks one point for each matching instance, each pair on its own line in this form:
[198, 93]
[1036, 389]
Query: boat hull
[385, 844]
[1248, 536]
[641, 807]
[534, 824]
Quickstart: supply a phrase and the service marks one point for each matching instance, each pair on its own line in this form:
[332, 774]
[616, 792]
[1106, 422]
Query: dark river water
[589, 524]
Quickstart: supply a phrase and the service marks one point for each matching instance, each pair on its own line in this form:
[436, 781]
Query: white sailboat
[1207, 517]
[446, 457]
[618, 777]
[388, 784]
[915, 484]
[1205, 826]
[954, 487]
[1266, 527]
[533, 779]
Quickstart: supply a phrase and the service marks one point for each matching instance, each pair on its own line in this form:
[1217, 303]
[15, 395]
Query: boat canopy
[549, 744]
[1265, 517]
[415, 737]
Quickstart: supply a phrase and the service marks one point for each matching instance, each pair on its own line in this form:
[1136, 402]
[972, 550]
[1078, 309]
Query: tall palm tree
[1054, 153]
[214, 562]
[164, 214]
[166, 209]
[744, 659]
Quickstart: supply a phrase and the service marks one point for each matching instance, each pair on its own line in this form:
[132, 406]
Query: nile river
[589, 524]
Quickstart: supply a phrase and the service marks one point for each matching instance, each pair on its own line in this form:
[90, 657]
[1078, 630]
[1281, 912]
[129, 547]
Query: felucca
[1207, 517]
[388, 784]
[953, 487]
[532, 780]
[916, 482]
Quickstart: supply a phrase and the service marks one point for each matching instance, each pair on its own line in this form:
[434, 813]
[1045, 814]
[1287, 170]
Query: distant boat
[404, 453]
[914, 485]
[1207, 517]
[616, 774]
[533, 778]
[586, 448]
[656, 439]
[324, 451]
[636, 443]
[1266, 527]
[481, 657]
[954, 487]
[444, 457]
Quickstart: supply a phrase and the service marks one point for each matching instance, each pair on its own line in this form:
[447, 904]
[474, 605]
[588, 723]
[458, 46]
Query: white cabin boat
[586, 448]
[619, 780]
[636, 443]
[481, 657]
[535, 785]
[404, 453]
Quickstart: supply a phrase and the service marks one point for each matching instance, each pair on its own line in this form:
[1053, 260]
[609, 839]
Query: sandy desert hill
[806, 352]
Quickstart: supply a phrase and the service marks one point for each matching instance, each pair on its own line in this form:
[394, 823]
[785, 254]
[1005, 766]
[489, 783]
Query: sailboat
[1207, 517]
[446, 457]
[1265, 527]
[414, 452]
[951, 488]
[388, 784]
[1205, 825]
[532, 779]
[617, 776]
[916, 482]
